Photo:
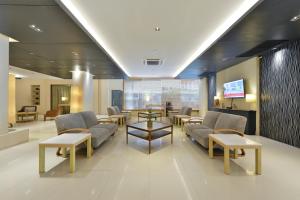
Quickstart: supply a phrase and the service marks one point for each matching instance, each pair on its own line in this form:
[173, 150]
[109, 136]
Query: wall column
[4, 62]
[82, 91]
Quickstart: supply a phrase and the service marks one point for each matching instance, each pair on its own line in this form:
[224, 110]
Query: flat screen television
[234, 89]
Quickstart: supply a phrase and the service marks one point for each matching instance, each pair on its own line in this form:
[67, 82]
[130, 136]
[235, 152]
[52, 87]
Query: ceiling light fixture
[225, 26]
[35, 28]
[295, 18]
[157, 29]
[90, 29]
[75, 53]
[274, 48]
[12, 40]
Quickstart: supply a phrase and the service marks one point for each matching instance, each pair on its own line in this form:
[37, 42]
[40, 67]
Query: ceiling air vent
[152, 62]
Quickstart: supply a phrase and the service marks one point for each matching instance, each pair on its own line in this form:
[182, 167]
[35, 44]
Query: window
[140, 93]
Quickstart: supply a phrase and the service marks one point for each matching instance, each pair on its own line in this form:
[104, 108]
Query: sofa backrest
[210, 119]
[89, 118]
[230, 121]
[188, 111]
[69, 121]
[110, 111]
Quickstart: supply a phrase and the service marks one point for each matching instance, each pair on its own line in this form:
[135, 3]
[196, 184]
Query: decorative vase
[149, 123]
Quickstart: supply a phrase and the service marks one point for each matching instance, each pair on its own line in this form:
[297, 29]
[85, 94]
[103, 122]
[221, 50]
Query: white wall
[105, 86]
[248, 70]
[23, 92]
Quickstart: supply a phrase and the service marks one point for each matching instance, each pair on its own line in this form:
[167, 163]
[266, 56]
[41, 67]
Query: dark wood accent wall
[280, 94]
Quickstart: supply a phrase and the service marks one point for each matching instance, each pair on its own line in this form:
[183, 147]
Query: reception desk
[249, 114]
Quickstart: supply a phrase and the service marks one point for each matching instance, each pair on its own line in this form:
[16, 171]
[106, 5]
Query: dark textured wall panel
[280, 94]
[212, 87]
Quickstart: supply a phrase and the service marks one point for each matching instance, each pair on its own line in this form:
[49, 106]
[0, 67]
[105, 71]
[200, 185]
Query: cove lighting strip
[243, 9]
[88, 27]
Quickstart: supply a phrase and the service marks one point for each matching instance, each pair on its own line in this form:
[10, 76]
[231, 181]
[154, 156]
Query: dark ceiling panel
[270, 20]
[50, 52]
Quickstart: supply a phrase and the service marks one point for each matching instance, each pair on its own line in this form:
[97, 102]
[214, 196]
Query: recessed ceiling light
[35, 28]
[295, 18]
[75, 53]
[157, 29]
[52, 61]
[31, 53]
[274, 48]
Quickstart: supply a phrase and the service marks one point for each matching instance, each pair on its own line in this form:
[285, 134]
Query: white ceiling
[125, 29]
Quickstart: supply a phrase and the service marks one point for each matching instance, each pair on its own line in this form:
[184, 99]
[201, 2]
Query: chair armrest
[229, 130]
[125, 111]
[75, 130]
[173, 111]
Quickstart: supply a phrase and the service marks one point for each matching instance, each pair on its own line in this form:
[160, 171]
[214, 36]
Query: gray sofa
[85, 122]
[183, 111]
[114, 110]
[216, 122]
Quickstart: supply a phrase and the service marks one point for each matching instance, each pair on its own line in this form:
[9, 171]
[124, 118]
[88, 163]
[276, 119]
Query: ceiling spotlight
[31, 53]
[75, 53]
[296, 18]
[52, 61]
[35, 28]
[157, 29]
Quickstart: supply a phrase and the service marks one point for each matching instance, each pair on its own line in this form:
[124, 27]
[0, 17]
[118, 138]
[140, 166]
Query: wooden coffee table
[141, 130]
[68, 140]
[234, 142]
[150, 115]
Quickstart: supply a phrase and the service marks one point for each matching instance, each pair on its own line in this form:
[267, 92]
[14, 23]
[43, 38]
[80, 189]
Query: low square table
[141, 130]
[234, 142]
[67, 140]
[150, 115]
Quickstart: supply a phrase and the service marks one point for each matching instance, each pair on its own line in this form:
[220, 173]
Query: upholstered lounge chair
[187, 111]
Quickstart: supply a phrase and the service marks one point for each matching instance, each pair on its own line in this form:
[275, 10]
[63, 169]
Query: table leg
[226, 161]
[149, 138]
[126, 134]
[89, 147]
[171, 134]
[258, 160]
[41, 158]
[235, 153]
[72, 158]
[64, 152]
[210, 147]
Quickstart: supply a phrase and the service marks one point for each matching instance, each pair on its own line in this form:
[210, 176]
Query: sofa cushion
[29, 109]
[190, 127]
[90, 118]
[210, 119]
[99, 135]
[111, 127]
[201, 136]
[229, 121]
[69, 121]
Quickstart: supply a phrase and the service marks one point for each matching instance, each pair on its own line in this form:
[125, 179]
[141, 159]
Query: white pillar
[82, 91]
[4, 62]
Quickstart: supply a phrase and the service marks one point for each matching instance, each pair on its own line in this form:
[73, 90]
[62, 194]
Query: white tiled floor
[119, 171]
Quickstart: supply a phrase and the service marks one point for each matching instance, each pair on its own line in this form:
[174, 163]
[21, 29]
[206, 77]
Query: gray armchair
[183, 111]
[114, 110]
[216, 122]
[85, 122]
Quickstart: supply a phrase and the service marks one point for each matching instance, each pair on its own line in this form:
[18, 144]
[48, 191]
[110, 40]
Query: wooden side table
[120, 118]
[234, 142]
[68, 140]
